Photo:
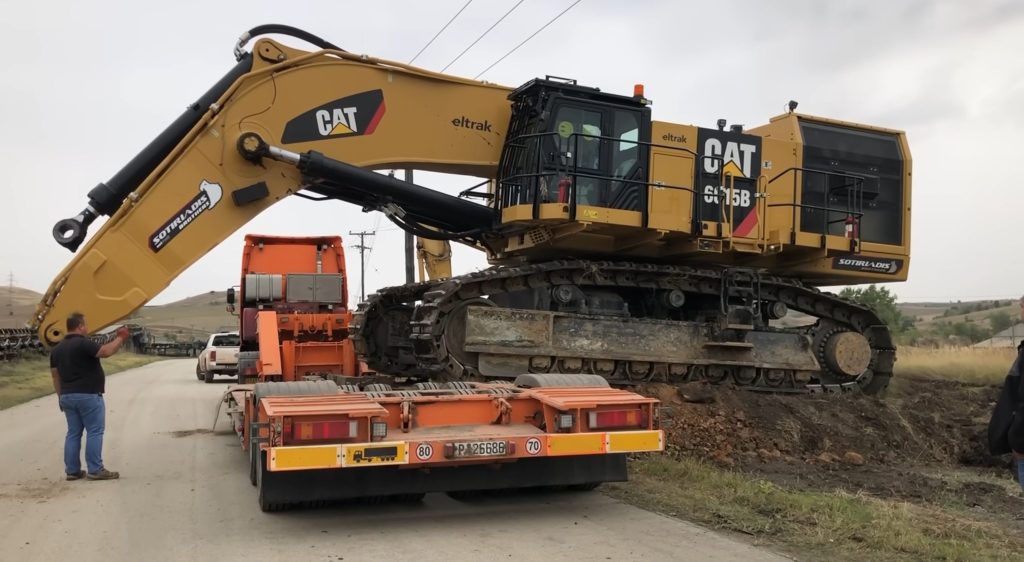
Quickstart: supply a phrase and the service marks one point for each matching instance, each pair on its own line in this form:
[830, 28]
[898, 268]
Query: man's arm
[111, 347]
[56, 380]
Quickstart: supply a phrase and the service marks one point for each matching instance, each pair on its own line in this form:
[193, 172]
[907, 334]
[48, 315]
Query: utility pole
[10, 294]
[362, 247]
[410, 246]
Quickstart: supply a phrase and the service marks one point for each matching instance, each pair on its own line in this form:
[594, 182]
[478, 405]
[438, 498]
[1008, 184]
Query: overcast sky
[87, 85]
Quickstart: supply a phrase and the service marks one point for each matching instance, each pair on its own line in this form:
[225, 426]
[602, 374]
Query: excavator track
[852, 346]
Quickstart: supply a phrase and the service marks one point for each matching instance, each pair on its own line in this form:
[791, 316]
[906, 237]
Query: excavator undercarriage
[628, 322]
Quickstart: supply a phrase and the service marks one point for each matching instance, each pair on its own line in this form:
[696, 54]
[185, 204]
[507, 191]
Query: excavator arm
[282, 122]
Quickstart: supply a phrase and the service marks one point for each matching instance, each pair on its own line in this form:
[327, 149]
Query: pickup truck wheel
[199, 372]
[208, 376]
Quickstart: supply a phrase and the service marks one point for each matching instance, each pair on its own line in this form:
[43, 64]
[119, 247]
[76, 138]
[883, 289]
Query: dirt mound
[921, 421]
[924, 441]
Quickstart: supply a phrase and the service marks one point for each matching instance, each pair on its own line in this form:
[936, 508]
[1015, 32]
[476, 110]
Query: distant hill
[195, 316]
[927, 315]
[17, 306]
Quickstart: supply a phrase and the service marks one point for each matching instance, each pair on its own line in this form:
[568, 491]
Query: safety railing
[553, 177]
[540, 175]
[853, 210]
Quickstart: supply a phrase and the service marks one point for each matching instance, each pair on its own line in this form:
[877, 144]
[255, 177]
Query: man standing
[78, 379]
[1006, 428]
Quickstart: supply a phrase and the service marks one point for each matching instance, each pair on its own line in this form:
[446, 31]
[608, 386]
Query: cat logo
[337, 122]
[355, 115]
[727, 176]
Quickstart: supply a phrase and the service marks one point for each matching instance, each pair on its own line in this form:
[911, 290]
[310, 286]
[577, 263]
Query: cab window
[624, 156]
[578, 132]
[226, 341]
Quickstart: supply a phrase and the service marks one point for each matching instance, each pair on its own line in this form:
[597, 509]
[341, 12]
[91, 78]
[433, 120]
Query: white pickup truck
[220, 357]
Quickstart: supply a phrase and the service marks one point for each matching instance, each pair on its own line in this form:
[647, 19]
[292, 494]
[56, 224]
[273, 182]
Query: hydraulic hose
[282, 29]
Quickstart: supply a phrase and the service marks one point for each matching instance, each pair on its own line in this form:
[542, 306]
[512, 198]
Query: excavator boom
[191, 188]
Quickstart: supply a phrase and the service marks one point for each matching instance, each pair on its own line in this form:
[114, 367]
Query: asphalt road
[184, 494]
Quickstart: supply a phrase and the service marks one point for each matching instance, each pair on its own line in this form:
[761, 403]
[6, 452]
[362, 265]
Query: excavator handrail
[855, 208]
[574, 172]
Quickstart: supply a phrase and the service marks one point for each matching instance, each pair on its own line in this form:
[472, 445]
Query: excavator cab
[574, 146]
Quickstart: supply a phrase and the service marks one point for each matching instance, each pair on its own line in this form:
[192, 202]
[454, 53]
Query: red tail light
[213, 355]
[617, 418]
[320, 430]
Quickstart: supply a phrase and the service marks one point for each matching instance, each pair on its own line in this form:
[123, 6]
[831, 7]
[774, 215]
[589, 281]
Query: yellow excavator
[621, 246]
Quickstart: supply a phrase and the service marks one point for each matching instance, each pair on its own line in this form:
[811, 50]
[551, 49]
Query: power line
[438, 34]
[376, 224]
[482, 35]
[551, 21]
[362, 247]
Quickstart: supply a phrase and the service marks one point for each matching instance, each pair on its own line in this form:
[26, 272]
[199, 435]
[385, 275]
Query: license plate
[480, 449]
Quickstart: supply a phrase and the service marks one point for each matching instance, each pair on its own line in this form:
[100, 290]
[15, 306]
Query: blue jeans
[1020, 473]
[83, 411]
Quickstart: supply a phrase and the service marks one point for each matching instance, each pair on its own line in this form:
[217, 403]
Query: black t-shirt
[76, 363]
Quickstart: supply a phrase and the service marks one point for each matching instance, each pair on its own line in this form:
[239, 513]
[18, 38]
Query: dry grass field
[25, 379]
[964, 364]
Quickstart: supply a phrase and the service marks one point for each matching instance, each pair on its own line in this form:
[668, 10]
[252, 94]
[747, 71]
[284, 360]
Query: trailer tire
[559, 380]
[462, 495]
[409, 498]
[293, 388]
[262, 390]
[261, 476]
[253, 463]
[377, 387]
[584, 487]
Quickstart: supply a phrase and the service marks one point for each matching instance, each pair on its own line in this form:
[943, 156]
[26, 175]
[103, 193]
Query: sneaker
[76, 476]
[103, 474]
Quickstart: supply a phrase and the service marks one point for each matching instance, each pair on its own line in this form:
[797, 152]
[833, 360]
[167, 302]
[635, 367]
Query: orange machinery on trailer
[294, 317]
[316, 426]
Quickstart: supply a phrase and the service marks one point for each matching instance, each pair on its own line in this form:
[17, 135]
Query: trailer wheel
[556, 380]
[408, 498]
[464, 494]
[293, 388]
[377, 387]
[262, 486]
[253, 463]
[584, 487]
